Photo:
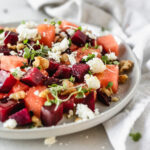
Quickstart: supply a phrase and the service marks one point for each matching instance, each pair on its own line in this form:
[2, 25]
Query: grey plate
[125, 93]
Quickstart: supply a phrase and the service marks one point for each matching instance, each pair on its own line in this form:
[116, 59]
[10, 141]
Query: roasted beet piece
[11, 37]
[53, 66]
[33, 77]
[7, 81]
[22, 117]
[79, 38]
[79, 70]
[50, 116]
[4, 50]
[91, 41]
[51, 80]
[63, 72]
[8, 107]
[102, 97]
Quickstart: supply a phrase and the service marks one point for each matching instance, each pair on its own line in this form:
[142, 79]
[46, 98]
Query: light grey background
[92, 139]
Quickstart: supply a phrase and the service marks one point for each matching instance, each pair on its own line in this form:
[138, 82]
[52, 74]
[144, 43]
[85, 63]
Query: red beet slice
[53, 66]
[22, 117]
[79, 70]
[50, 116]
[51, 80]
[33, 77]
[63, 72]
[4, 50]
[8, 107]
[11, 37]
[7, 81]
[79, 38]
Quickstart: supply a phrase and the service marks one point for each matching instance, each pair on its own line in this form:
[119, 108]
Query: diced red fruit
[22, 117]
[109, 75]
[11, 37]
[10, 62]
[4, 50]
[67, 25]
[79, 38]
[102, 97]
[51, 80]
[19, 86]
[109, 44]
[63, 72]
[33, 102]
[33, 77]
[79, 70]
[7, 81]
[53, 66]
[47, 33]
[8, 107]
[50, 115]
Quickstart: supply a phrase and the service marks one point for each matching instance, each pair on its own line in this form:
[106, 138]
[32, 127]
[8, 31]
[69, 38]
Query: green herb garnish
[96, 46]
[70, 42]
[81, 92]
[109, 85]
[72, 79]
[89, 72]
[116, 62]
[52, 22]
[135, 136]
[89, 57]
[25, 41]
[105, 59]
[1, 31]
[45, 20]
[59, 22]
[24, 65]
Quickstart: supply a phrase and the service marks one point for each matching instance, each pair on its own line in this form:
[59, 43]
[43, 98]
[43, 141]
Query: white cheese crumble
[60, 46]
[70, 32]
[63, 34]
[10, 123]
[27, 31]
[84, 112]
[13, 53]
[111, 56]
[54, 55]
[96, 65]
[2, 37]
[17, 72]
[1, 54]
[50, 141]
[72, 58]
[36, 93]
[90, 35]
[57, 29]
[92, 81]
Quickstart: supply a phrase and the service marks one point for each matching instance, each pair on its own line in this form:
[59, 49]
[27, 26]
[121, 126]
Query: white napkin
[118, 16]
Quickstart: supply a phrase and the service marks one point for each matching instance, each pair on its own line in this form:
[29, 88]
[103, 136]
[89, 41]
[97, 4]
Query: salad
[56, 69]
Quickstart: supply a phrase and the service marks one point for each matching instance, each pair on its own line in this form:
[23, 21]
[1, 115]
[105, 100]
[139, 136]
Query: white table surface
[92, 139]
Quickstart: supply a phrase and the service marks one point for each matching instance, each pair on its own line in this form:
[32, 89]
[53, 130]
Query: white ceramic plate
[125, 93]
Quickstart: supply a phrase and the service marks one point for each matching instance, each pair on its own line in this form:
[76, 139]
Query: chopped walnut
[108, 92]
[38, 37]
[65, 59]
[115, 99]
[69, 87]
[36, 121]
[20, 46]
[58, 39]
[44, 93]
[77, 119]
[10, 29]
[123, 78]
[14, 47]
[41, 62]
[18, 95]
[125, 66]
[70, 114]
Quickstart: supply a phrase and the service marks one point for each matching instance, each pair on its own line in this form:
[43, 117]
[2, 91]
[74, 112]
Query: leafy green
[45, 19]
[25, 41]
[70, 42]
[105, 59]
[14, 74]
[59, 22]
[86, 45]
[135, 136]
[1, 31]
[89, 72]
[24, 65]
[26, 53]
[81, 92]
[89, 57]
[52, 22]
[109, 85]
[80, 28]
[72, 79]
[96, 46]
[116, 62]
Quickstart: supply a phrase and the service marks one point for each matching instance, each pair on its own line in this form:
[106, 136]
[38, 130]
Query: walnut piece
[41, 62]
[10, 29]
[115, 99]
[123, 78]
[65, 59]
[20, 46]
[108, 92]
[125, 66]
[69, 87]
[18, 95]
[44, 93]
[14, 47]
[36, 121]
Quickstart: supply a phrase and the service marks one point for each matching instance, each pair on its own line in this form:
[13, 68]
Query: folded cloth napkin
[130, 20]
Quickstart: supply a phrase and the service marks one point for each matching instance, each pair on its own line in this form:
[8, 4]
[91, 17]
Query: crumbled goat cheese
[60, 46]
[57, 29]
[54, 55]
[27, 68]
[70, 31]
[17, 72]
[50, 141]
[96, 111]
[2, 37]
[13, 53]
[63, 34]
[96, 65]
[27, 31]
[1, 54]
[90, 35]
[72, 58]
[10, 123]
[111, 56]
[92, 81]
[84, 112]
[36, 93]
